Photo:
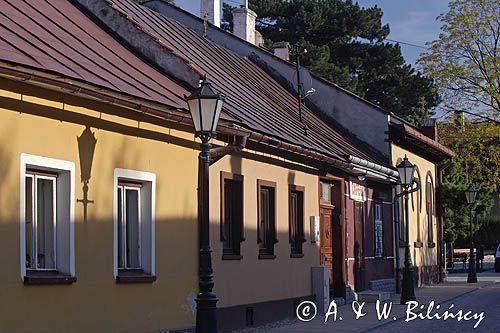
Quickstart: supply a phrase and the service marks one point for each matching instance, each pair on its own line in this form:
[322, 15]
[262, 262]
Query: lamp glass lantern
[205, 105]
[470, 194]
[406, 172]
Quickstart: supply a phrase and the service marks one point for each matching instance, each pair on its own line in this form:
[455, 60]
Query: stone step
[388, 285]
[371, 296]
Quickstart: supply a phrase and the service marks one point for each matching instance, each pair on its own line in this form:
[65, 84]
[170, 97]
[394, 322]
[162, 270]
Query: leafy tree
[346, 45]
[456, 209]
[477, 146]
[465, 60]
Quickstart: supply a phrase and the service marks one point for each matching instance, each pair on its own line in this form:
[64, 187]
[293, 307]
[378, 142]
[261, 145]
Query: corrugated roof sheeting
[254, 98]
[55, 36]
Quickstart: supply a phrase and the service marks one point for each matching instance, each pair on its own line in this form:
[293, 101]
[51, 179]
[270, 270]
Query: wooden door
[359, 261]
[326, 254]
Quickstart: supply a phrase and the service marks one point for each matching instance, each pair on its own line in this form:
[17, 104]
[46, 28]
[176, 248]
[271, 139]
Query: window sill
[266, 256]
[431, 244]
[48, 277]
[296, 255]
[231, 257]
[134, 276]
[418, 244]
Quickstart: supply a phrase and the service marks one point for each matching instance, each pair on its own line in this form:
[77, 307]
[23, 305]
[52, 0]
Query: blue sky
[411, 21]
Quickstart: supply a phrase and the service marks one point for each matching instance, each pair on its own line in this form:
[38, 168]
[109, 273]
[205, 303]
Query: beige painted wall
[251, 280]
[423, 256]
[95, 303]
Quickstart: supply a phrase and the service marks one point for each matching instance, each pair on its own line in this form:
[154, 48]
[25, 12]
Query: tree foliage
[477, 146]
[465, 59]
[346, 45]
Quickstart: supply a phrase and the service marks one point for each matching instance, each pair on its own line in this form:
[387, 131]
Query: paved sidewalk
[456, 290]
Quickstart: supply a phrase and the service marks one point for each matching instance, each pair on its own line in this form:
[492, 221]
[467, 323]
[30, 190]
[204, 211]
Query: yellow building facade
[263, 284]
[44, 135]
[422, 217]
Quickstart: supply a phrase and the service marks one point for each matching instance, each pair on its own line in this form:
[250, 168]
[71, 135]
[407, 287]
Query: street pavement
[480, 305]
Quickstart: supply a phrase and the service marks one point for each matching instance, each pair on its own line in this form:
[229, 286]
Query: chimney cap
[245, 11]
[280, 45]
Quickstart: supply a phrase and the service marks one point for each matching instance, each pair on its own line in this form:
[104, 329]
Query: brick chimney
[244, 24]
[210, 8]
[429, 128]
[282, 50]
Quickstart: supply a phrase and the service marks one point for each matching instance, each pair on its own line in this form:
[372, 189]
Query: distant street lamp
[470, 195]
[406, 174]
[205, 105]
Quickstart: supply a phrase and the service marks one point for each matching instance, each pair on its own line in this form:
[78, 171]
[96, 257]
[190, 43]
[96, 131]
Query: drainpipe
[441, 248]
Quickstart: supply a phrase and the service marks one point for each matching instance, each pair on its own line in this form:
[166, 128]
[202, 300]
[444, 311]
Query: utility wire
[409, 44]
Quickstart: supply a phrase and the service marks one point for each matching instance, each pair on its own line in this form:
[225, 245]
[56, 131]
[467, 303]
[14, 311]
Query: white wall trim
[49, 164]
[133, 175]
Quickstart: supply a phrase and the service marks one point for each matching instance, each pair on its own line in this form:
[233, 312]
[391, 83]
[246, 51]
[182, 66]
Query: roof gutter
[130, 102]
[373, 168]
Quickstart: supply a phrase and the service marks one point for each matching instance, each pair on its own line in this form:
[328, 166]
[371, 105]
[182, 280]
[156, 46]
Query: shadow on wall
[96, 291]
[86, 148]
[5, 162]
[82, 119]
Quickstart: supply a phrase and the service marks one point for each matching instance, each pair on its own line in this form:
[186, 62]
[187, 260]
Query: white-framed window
[46, 217]
[134, 224]
[41, 221]
[129, 225]
[379, 232]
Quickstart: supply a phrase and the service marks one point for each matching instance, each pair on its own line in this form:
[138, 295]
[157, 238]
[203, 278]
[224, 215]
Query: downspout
[439, 202]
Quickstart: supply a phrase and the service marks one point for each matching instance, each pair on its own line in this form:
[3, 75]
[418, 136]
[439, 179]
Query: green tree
[456, 210]
[477, 146]
[346, 45]
[465, 59]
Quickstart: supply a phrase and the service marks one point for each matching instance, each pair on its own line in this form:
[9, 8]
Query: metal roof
[254, 99]
[56, 37]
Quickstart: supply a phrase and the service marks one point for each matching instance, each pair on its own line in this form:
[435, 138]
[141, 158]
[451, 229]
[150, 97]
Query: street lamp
[205, 105]
[406, 175]
[470, 195]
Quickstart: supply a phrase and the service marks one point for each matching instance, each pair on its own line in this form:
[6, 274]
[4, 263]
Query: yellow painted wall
[96, 303]
[251, 280]
[423, 256]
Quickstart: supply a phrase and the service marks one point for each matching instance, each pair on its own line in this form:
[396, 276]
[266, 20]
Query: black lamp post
[406, 175]
[205, 106]
[470, 195]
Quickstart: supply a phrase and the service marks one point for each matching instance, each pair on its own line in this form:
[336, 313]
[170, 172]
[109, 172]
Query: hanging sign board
[357, 192]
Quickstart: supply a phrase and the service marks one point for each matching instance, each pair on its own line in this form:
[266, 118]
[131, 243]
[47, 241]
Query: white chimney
[210, 9]
[244, 24]
[282, 50]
